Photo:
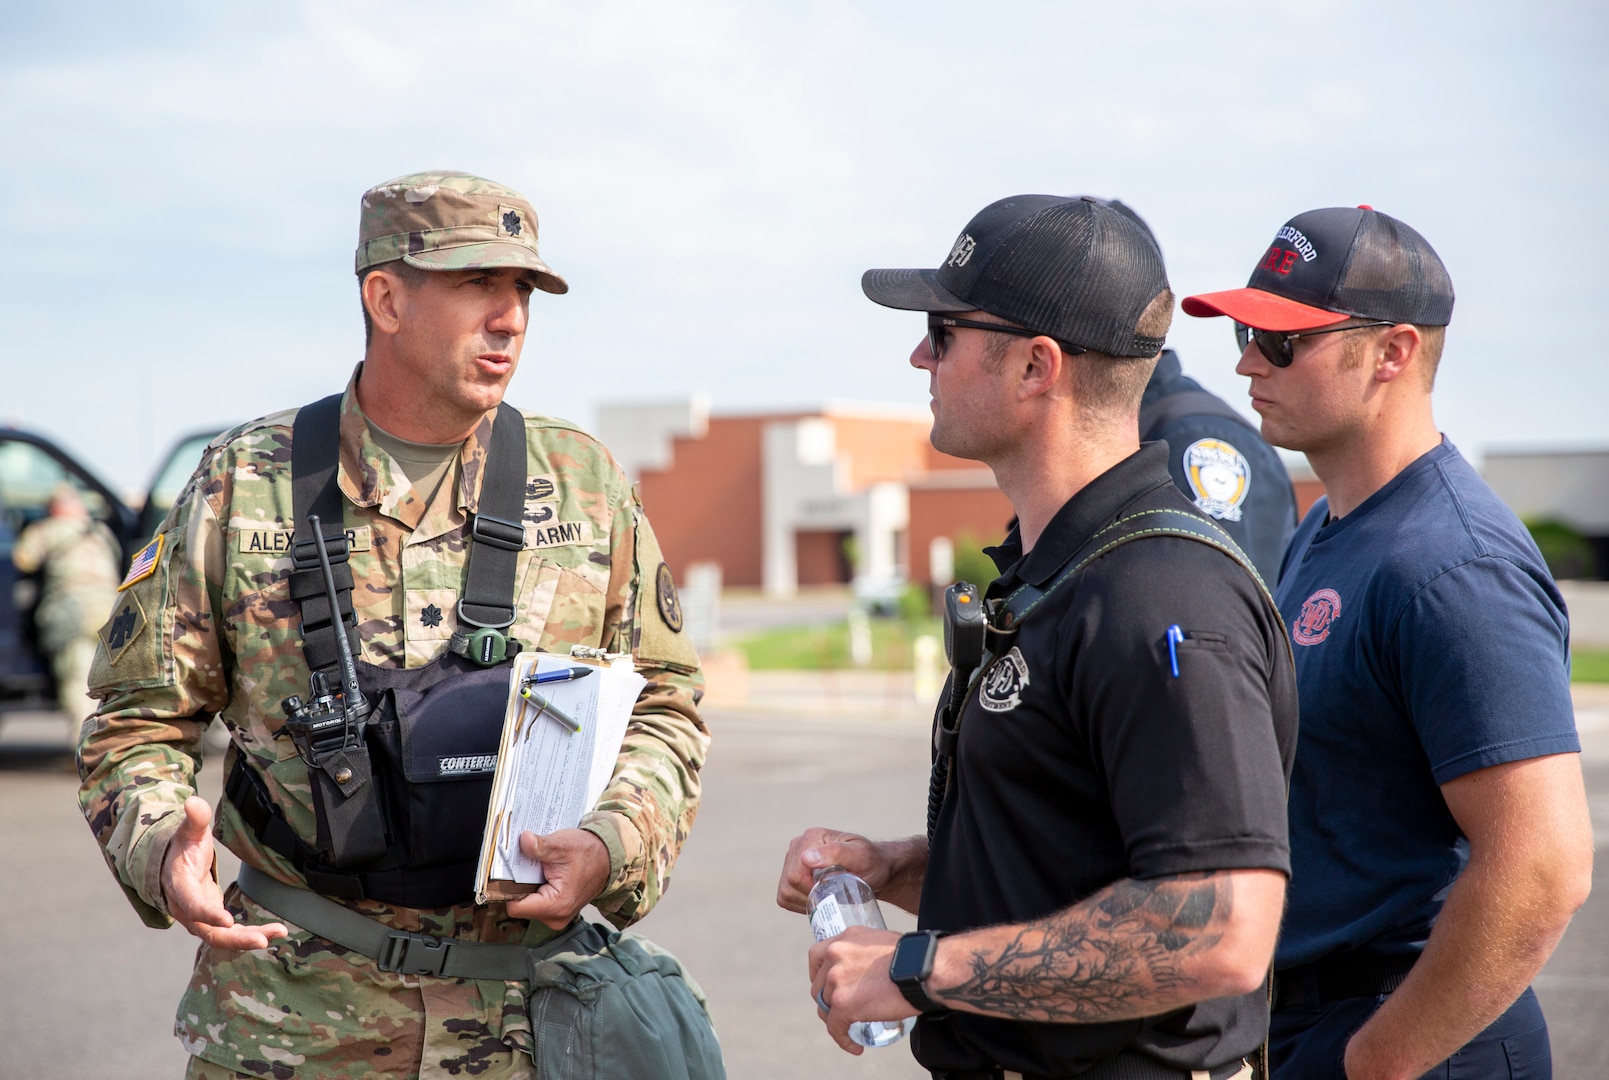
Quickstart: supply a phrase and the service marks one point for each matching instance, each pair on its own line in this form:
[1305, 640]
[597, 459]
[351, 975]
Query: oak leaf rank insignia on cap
[451, 221]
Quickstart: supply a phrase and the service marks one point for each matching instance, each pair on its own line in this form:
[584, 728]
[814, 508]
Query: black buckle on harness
[304, 552]
[480, 636]
[499, 533]
[413, 954]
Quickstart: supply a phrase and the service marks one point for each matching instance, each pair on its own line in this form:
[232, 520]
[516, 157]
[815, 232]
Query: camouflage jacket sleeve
[28, 553]
[160, 676]
[646, 812]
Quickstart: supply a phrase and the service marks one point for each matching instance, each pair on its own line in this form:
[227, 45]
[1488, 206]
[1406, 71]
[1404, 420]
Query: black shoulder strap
[315, 457]
[1161, 412]
[498, 530]
[1163, 521]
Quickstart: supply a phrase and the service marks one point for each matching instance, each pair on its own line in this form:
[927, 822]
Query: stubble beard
[947, 440]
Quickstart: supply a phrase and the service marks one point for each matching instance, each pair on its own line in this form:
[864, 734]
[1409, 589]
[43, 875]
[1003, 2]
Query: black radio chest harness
[396, 822]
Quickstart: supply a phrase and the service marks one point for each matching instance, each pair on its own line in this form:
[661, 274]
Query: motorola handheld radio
[964, 626]
[331, 720]
[963, 647]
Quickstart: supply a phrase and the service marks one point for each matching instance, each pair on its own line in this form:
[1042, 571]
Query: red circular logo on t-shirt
[1318, 612]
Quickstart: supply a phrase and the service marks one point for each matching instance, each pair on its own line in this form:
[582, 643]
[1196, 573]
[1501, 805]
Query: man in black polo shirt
[1104, 882]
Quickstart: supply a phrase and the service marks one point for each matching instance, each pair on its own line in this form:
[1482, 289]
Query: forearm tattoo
[1118, 954]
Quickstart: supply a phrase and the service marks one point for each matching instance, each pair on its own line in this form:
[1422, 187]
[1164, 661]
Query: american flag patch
[144, 564]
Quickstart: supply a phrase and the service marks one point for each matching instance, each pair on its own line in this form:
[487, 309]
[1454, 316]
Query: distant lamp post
[940, 561]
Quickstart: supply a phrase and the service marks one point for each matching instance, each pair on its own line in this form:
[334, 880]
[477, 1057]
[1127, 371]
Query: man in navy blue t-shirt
[1440, 838]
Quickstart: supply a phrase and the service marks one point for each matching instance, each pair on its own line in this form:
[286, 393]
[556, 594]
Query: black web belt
[1341, 976]
[1123, 1067]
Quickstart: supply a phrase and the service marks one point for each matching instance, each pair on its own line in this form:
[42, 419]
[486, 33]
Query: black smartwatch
[912, 963]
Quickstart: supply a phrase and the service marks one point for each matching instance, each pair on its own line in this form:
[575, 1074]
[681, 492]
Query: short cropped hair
[1110, 387]
[406, 271]
[1104, 386]
[1431, 341]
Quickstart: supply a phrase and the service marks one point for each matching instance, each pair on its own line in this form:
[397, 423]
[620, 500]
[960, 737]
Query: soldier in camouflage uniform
[76, 559]
[204, 631]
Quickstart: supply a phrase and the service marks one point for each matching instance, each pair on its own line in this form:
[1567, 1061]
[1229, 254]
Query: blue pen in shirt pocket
[1195, 640]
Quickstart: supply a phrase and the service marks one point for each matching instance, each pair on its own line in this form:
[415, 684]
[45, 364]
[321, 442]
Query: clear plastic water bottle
[839, 900]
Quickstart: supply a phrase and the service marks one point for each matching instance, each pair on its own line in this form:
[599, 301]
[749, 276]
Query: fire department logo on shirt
[1220, 476]
[1003, 683]
[1318, 612]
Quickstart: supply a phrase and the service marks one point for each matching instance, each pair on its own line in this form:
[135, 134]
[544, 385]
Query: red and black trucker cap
[1327, 266]
[1069, 267]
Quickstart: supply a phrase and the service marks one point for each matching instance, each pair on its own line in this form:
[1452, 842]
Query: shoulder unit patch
[126, 624]
[670, 605]
[1219, 475]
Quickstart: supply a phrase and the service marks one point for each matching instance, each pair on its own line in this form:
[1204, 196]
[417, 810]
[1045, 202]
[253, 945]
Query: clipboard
[549, 775]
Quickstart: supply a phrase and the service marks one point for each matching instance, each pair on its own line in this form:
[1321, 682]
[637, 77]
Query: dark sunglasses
[938, 327]
[1276, 345]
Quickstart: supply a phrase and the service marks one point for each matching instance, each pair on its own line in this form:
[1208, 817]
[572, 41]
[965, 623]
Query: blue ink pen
[559, 675]
[1175, 636]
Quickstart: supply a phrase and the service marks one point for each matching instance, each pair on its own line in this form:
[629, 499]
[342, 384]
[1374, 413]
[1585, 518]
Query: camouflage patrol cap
[450, 221]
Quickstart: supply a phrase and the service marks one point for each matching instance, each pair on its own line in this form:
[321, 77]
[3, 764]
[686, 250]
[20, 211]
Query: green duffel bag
[607, 1005]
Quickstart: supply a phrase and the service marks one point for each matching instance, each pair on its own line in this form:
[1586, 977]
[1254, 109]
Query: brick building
[782, 500]
[788, 499]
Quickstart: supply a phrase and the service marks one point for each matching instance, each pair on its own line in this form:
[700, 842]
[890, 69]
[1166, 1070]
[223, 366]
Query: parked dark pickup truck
[31, 466]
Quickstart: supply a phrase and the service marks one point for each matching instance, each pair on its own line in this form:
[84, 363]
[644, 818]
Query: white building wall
[1572, 487]
[800, 469]
[804, 485]
[888, 513]
[642, 435]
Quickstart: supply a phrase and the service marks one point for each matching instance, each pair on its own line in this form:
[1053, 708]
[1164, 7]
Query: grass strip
[826, 647]
[1589, 665]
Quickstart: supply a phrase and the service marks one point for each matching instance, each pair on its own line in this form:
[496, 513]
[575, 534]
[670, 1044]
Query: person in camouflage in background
[76, 559]
[204, 630]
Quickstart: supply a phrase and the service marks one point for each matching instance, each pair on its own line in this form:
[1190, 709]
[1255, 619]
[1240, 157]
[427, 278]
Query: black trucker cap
[1326, 266]
[1071, 268]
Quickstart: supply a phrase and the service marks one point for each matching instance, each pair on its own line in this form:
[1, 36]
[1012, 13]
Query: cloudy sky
[712, 177]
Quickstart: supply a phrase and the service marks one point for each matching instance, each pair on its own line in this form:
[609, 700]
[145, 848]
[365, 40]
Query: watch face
[913, 957]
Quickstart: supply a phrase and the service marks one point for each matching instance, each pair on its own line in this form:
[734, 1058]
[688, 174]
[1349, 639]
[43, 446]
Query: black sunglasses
[939, 325]
[1276, 345]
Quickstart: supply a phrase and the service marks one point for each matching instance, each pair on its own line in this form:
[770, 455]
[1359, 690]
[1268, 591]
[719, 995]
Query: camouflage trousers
[305, 1007]
[206, 1070]
[67, 634]
[70, 665]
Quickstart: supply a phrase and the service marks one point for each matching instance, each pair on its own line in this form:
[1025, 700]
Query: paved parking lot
[86, 990]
